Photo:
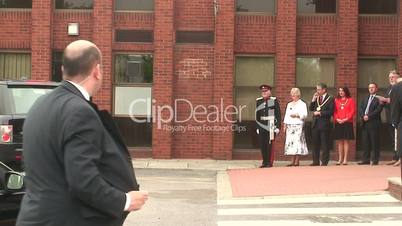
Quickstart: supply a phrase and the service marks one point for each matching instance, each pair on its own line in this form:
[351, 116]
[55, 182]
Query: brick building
[209, 53]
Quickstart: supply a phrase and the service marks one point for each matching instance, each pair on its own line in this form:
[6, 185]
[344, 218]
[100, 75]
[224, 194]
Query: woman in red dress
[345, 109]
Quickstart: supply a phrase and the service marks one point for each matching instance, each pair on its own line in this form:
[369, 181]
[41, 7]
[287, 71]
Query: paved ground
[199, 192]
[176, 197]
[306, 180]
[345, 210]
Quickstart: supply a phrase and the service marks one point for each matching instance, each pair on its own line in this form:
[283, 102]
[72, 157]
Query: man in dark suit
[396, 115]
[268, 119]
[386, 101]
[78, 170]
[370, 113]
[322, 106]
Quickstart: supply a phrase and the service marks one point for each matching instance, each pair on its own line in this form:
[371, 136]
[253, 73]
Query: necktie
[368, 104]
[320, 100]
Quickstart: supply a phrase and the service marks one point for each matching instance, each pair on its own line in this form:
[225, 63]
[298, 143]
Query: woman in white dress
[296, 112]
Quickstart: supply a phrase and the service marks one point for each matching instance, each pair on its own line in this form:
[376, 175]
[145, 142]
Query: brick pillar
[347, 53]
[285, 59]
[222, 142]
[162, 90]
[102, 37]
[41, 40]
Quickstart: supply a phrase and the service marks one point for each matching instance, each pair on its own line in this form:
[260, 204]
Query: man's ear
[97, 72]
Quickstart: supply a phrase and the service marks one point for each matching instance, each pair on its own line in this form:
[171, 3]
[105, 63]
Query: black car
[11, 192]
[16, 98]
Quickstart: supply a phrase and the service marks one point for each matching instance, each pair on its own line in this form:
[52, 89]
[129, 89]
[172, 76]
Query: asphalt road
[177, 197]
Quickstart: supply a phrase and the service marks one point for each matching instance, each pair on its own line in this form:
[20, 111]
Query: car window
[24, 98]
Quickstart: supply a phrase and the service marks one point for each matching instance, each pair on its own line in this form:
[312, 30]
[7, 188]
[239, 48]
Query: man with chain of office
[322, 106]
[268, 118]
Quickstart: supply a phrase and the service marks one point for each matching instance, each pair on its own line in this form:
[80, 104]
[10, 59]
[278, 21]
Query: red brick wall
[102, 37]
[135, 21]
[15, 29]
[193, 82]
[285, 59]
[316, 34]
[222, 142]
[60, 24]
[179, 69]
[194, 15]
[162, 90]
[378, 36]
[347, 57]
[255, 34]
[41, 39]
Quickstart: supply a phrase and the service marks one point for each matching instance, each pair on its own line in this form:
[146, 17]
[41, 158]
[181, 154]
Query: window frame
[132, 11]
[127, 84]
[317, 14]
[250, 149]
[127, 29]
[74, 10]
[307, 101]
[17, 9]
[395, 58]
[379, 14]
[18, 52]
[258, 13]
[321, 57]
[195, 43]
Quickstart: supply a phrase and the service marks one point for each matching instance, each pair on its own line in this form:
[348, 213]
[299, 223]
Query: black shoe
[314, 164]
[263, 166]
[374, 163]
[324, 164]
[363, 163]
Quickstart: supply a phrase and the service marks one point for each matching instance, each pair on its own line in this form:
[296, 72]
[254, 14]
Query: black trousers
[320, 139]
[370, 143]
[391, 133]
[265, 147]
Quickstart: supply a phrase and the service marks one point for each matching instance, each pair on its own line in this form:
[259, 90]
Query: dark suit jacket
[374, 112]
[77, 166]
[327, 110]
[265, 106]
[387, 107]
[396, 112]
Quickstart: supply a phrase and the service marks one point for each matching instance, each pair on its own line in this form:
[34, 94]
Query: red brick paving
[305, 180]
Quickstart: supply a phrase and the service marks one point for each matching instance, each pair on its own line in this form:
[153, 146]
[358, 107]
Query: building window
[375, 70]
[250, 73]
[134, 5]
[15, 66]
[266, 6]
[74, 4]
[134, 36]
[16, 4]
[309, 72]
[133, 75]
[378, 6]
[57, 61]
[206, 37]
[133, 68]
[316, 6]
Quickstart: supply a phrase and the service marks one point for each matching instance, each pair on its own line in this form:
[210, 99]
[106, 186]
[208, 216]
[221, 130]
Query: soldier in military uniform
[268, 119]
